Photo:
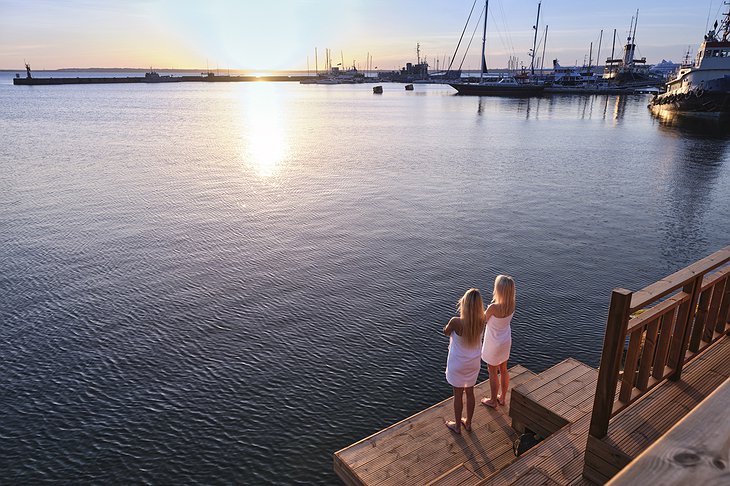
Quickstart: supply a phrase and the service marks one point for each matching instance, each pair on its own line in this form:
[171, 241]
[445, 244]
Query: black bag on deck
[524, 443]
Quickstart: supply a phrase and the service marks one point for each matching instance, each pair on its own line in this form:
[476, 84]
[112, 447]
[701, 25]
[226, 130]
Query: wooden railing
[666, 325]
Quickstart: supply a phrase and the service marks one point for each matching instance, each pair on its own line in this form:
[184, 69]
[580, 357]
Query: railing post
[613, 346]
[685, 319]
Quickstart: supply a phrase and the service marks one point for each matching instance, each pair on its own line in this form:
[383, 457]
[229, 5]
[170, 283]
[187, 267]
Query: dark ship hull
[712, 98]
[476, 89]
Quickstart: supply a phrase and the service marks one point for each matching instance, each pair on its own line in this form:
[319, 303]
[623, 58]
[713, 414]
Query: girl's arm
[488, 312]
[453, 325]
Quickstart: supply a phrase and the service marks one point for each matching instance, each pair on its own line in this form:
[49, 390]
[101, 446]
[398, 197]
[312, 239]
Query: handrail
[669, 284]
[663, 337]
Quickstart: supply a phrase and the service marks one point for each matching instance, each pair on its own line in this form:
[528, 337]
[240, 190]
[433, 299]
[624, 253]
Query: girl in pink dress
[498, 338]
[462, 365]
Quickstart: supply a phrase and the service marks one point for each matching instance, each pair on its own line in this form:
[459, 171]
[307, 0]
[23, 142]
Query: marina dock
[665, 362]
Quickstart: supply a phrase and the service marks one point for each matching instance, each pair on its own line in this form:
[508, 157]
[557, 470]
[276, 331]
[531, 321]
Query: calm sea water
[227, 283]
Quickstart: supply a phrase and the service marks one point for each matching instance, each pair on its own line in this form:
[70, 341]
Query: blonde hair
[504, 294]
[471, 311]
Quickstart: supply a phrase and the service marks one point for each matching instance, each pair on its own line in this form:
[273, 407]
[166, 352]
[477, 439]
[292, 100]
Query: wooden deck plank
[422, 447]
[548, 375]
[410, 431]
[561, 381]
[683, 455]
[486, 422]
[433, 459]
[455, 477]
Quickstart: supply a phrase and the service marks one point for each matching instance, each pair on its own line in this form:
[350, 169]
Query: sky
[283, 34]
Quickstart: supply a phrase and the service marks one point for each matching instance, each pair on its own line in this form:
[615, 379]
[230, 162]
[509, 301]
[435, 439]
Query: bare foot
[454, 426]
[466, 425]
[500, 399]
[489, 402]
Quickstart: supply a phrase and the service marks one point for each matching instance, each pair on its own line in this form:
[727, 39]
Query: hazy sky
[280, 34]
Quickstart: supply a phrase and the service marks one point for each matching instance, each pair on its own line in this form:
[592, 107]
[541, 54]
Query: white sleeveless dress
[497, 340]
[462, 364]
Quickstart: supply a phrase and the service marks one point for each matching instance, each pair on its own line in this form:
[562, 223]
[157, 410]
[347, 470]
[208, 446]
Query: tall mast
[534, 41]
[484, 40]
[544, 43]
[613, 48]
[636, 22]
[598, 55]
[590, 56]
[316, 64]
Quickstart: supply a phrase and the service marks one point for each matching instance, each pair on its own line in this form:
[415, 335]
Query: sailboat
[490, 85]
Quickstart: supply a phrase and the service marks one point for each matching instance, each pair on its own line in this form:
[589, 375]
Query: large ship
[630, 70]
[704, 86]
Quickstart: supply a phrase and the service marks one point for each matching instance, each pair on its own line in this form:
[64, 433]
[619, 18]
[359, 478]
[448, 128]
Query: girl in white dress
[462, 365]
[498, 338]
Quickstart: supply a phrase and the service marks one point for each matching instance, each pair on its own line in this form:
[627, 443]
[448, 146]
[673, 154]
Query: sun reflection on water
[264, 144]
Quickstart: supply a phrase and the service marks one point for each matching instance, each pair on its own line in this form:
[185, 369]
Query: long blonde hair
[471, 311]
[504, 294]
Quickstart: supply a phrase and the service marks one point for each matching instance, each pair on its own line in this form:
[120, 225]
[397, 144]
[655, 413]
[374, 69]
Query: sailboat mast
[598, 55]
[544, 43]
[534, 41]
[590, 56]
[613, 49]
[484, 40]
[316, 64]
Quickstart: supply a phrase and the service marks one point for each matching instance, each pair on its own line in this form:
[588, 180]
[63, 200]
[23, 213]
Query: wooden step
[555, 398]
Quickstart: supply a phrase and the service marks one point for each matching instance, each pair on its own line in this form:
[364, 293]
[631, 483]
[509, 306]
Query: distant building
[665, 68]
[411, 72]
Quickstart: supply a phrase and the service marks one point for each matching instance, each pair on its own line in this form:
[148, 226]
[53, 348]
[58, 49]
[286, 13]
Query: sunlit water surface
[227, 283]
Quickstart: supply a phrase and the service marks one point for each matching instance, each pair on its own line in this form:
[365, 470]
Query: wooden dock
[421, 450]
[665, 352]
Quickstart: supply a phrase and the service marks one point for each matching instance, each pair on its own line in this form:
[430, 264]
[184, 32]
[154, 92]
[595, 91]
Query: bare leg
[470, 402]
[493, 387]
[504, 379]
[455, 425]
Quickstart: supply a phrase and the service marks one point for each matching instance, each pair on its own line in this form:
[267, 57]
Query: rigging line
[462, 36]
[506, 28]
[717, 14]
[709, 11]
[472, 38]
[499, 33]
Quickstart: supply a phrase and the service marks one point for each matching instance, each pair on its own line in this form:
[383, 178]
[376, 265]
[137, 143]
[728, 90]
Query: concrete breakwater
[151, 78]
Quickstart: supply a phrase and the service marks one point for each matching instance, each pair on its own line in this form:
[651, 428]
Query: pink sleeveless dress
[497, 340]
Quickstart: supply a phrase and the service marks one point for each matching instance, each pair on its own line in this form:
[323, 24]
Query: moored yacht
[704, 86]
[496, 85]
